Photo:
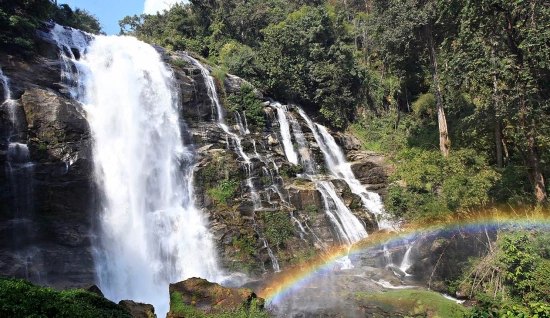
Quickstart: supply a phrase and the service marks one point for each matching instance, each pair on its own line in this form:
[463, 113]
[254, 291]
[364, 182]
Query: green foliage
[290, 171]
[219, 74]
[18, 22]
[246, 246]
[437, 186]
[381, 134]
[20, 19]
[178, 63]
[424, 105]
[248, 103]
[308, 60]
[19, 298]
[224, 191]
[304, 255]
[78, 19]
[312, 210]
[178, 307]
[413, 303]
[278, 227]
[240, 60]
[517, 284]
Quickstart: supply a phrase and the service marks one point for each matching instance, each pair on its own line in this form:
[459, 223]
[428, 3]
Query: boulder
[138, 310]
[209, 298]
[93, 289]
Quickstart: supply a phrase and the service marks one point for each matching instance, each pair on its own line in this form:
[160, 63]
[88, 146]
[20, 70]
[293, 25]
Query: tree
[78, 19]
[18, 21]
[502, 51]
[403, 28]
[308, 60]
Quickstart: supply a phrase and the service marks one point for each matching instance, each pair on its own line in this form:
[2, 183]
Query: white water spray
[407, 262]
[151, 234]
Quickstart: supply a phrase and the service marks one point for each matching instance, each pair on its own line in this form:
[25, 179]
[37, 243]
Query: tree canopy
[19, 20]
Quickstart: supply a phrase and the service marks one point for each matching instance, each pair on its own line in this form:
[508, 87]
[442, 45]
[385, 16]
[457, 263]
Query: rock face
[138, 310]
[209, 298]
[439, 256]
[288, 226]
[53, 211]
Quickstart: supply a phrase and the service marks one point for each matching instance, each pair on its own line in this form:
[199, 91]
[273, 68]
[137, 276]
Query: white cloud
[152, 6]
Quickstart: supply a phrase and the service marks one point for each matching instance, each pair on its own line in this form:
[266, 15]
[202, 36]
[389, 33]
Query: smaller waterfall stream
[256, 200]
[406, 263]
[340, 168]
[290, 152]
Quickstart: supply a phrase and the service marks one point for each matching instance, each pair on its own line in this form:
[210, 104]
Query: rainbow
[283, 284]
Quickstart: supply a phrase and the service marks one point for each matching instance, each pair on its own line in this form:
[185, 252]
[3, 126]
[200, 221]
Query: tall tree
[403, 28]
[308, 60]
[502, 51]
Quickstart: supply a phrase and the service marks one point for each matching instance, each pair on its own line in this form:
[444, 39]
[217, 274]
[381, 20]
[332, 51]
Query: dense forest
[455, 93]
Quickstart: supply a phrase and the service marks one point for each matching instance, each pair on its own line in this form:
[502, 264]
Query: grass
[414, 303]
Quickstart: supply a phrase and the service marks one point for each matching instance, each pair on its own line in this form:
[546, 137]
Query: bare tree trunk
[535, 171]
[496, 119]
[498, 142]
[444, 142]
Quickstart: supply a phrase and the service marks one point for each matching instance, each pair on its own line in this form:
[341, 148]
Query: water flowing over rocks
[261, 209]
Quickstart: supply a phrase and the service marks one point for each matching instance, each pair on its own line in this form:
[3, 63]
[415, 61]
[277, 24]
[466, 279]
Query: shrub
[224, 191]
[278, 227]
[247, 102]
[436, 186]
[19, 298]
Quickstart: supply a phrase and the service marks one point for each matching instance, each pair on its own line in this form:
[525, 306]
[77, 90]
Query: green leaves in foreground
[19, 298]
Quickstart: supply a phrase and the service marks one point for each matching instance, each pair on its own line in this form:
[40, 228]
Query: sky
[109, 12]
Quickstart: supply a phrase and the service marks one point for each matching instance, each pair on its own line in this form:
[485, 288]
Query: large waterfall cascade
[150, 234]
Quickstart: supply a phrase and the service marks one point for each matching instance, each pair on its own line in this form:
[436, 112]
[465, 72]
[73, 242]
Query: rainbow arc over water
[288, 281]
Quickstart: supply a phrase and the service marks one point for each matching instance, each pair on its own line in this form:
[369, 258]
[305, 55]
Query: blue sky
[109, 12]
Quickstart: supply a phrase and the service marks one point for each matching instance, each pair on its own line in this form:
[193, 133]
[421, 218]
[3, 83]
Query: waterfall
[69, 42]
[20, 177]
[341, 169]
[351, 228]
[347, 226]
[290, 152]
[213, 95]
[406, 263]
[9, 104]
[150, 233]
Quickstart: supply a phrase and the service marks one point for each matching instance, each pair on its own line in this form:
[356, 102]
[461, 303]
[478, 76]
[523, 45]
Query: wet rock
[304, 196]
[138, 310]
[210, 298]
[93, 289]
[348, 142]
